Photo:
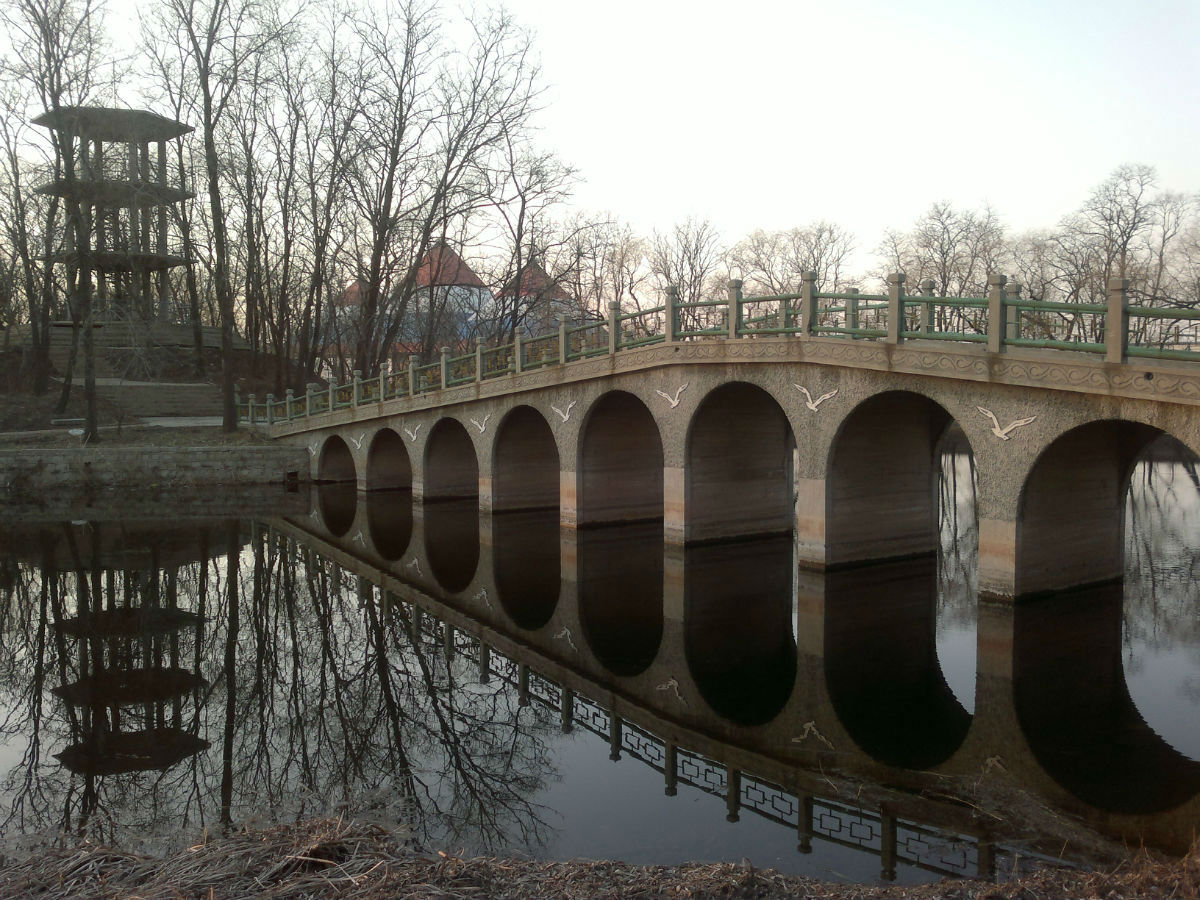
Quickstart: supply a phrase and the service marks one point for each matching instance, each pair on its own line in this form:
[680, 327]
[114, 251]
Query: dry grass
[334, 859]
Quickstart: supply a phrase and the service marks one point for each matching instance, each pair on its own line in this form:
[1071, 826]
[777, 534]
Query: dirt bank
[331, 858]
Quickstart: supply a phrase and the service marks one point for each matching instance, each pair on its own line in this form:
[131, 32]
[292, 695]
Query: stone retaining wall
[146, 470]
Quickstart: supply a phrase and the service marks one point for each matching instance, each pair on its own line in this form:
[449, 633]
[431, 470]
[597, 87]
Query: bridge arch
[388, 464]
[881, 498]
[451, 468]
[620, 466]
[739, 468]
[525, 463]
[1071, 507]
[336, 462]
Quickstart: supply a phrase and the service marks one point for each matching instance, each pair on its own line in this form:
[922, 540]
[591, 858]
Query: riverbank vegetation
[337, 859]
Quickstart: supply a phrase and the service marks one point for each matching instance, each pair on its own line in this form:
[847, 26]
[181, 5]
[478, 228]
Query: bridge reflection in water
[417, 664]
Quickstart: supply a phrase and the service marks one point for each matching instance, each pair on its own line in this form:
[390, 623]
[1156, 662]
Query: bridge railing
[1115, 330]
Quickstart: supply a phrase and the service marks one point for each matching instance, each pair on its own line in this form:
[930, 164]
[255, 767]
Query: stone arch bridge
[833, 430]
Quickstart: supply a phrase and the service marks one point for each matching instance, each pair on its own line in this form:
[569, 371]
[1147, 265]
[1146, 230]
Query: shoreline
[336, 858]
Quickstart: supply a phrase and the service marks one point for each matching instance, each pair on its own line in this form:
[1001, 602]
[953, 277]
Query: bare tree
[771, 262]
[220, 39]
[58, 44]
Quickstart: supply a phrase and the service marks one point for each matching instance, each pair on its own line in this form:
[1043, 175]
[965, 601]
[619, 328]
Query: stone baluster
[926, 324]
[895, 327]
[808, 303]
[1012, 312]
[997, 323]
[1116, 322]
[735, 306]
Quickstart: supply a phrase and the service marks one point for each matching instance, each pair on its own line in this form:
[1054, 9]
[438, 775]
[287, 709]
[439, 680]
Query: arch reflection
[390, 521]
[527, 565]
[881, 663]
[1074, 706]
[337, 501]
[738, 637]
[621, 594]
[452, 541]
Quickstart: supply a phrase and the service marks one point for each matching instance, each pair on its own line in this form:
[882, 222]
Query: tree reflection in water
[322, 696]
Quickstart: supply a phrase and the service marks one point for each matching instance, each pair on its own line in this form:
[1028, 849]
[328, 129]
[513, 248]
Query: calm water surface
[496, 685]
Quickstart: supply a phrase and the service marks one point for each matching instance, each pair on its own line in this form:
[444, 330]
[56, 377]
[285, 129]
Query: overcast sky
[773, 114]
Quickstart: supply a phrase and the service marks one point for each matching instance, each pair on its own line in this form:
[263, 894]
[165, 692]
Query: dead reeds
[337, 859]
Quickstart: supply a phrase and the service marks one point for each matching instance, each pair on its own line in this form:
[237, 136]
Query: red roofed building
[543, 298]
[442, 267]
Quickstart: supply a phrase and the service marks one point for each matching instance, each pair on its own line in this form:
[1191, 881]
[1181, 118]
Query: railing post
[614, 327]
[672, 312]
[478, 360]
[309, 390]
[671, 769]
[888, 834]
[270, 409]
[852, 310]
[567, 711]
[354, 398]
[412, 375]
[735, 307]
[804, 822]
[1012, 312]
[288, 402]
[926, 309]
[997, 323]
[383, 376]
[562, 340]
[1116, 323]
[895, 329]
[250, 409]
[332, 392]
[808, 303]
[518, 349]
[444, 366]
[733, 793]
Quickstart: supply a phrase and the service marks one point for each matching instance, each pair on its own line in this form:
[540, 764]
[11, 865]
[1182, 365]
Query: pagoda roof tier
[109, 124]
[130, 687]
[133, 751]
[115, 192]
[130, 622]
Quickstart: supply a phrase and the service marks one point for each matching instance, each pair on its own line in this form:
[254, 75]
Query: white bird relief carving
[315, 515]
[358, 539]
[483, 595]
[312, 449]
[412, 432]
[1004, 432]
[992, 762]
[674, 401]
[482, 426]
[808, 398]
[564, 415]
[565, 634]
[415, 565]
[357, 442]
[672, 685]
[810, 730]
